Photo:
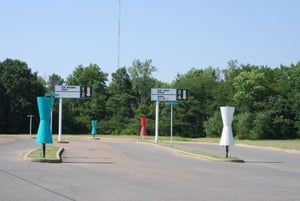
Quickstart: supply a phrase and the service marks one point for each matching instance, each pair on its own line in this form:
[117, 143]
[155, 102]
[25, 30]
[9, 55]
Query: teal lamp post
[44, 135]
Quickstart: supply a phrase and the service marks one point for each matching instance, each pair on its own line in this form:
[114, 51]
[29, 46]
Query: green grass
[192, 151]
[281, 144]
[201, 153]
[51, 153]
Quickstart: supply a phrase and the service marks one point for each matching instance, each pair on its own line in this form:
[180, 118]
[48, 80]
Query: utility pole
[119, 35]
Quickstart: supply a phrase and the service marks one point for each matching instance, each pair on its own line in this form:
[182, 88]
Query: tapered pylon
[44, 135]
[227, 136]
[94, 127]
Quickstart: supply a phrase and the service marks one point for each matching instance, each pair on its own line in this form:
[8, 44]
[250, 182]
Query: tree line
[266, 100]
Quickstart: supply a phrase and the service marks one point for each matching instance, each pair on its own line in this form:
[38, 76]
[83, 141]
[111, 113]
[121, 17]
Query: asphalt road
[112, 170]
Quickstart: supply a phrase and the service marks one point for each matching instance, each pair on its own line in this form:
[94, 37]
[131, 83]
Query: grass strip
[51, 153]
[203, 154]
[280, 144]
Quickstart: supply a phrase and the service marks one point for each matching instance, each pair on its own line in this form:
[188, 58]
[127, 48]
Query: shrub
[242, 125]
[213, 125]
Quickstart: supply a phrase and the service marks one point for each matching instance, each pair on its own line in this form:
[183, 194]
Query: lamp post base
[43, 150]
[227, 150]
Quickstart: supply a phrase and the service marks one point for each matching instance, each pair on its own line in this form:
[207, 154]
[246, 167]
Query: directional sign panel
[165, 94]
[182, 94]
[170, 103]
[73, 91]
[67, 91]
[85, 92]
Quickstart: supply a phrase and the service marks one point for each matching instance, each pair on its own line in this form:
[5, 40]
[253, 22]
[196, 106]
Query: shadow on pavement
[280, 162]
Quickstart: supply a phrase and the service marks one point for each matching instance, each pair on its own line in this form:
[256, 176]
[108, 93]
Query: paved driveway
[128, 170]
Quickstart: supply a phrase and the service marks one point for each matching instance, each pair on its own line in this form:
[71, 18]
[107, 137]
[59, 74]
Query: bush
[131, 128]
[213, 125]
[261, 126]
[242, 125]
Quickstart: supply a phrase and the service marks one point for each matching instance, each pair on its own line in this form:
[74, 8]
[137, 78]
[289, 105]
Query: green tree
[243, 126]
[192, 114]
[265, 101]
[276, 120]
[233, 69]
[20, 87]
[143, 111]
[53, 80]
[213, 125]
[142, 80]
[121, 103]
[291, 84]
[249, 87]
[83, 111]
[3, 108]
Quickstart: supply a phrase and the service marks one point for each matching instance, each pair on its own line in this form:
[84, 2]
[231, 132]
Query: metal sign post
[60, 120]
[172, 104]
[171, 126]
[30, 116]
[165, 94]
[70, 91]
[156, 122]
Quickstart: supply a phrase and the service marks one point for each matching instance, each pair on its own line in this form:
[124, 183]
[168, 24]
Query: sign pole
[51, 95]
[30, 127]
[171, 104]
[171, 129]
[51, 119]
[30, 123]
[165, 94]
[70, 91]
[60, 120]
[156, 122]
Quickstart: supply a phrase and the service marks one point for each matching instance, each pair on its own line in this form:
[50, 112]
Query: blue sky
[58, 35]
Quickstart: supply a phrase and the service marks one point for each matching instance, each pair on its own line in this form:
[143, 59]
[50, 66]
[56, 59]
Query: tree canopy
[267, 100]
[19, 88]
